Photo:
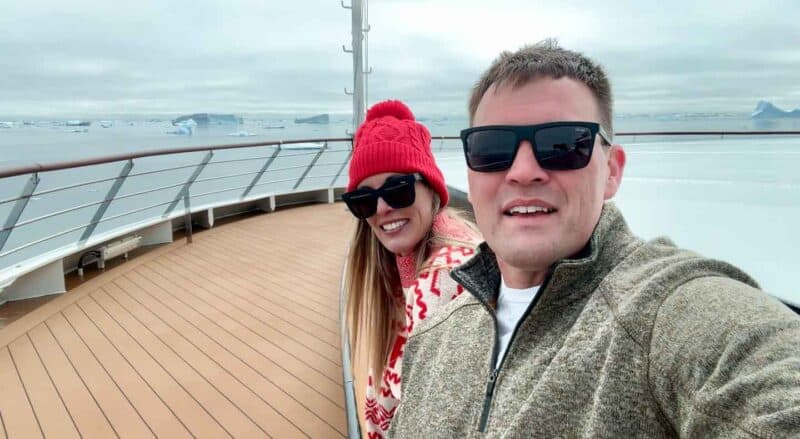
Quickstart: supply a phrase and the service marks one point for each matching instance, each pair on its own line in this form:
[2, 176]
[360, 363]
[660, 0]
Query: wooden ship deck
[234, 335]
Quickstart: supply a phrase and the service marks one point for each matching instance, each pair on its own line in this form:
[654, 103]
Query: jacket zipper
[487, 402]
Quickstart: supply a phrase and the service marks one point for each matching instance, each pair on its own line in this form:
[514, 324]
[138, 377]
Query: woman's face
[401, 230]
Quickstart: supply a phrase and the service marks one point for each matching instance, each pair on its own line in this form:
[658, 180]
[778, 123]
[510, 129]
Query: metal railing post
[185, 190]
[261, 172]
[19, 206]
[188, 217]
[310, 165]
[112, 193]
[341, 168]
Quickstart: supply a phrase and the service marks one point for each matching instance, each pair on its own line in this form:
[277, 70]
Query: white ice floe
[184, 128]
[241, 134]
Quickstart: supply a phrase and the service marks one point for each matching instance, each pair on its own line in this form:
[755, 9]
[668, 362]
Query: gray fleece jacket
[631, 339]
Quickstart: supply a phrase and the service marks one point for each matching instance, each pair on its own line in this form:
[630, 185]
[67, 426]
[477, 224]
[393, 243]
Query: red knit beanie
[390, 140]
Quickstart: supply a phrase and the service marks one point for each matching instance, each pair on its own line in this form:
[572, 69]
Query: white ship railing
[173, 188]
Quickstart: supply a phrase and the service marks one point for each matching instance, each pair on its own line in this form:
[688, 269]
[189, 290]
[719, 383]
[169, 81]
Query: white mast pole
[359, 79]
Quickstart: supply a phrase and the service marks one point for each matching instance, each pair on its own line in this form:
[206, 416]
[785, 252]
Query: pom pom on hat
[391, 140]
[395, 109]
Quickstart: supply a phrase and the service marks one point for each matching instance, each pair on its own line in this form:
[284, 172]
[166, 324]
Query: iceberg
[318, 119]
[204, 119]
[106, 123]
[6, 124]
[78, 123]
[766, 110]
[241, 134]
[184, 128]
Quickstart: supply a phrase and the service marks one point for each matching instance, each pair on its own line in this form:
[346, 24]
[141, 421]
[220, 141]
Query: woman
[405, 244]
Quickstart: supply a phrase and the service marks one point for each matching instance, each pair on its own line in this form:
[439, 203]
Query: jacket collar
[611, 241]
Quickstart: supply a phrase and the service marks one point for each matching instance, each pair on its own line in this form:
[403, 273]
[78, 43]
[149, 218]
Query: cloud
[99, 57]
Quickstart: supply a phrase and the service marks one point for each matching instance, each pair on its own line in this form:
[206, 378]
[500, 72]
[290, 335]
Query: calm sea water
[735, 199]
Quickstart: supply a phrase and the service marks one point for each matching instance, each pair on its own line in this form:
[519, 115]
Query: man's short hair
[546, 59]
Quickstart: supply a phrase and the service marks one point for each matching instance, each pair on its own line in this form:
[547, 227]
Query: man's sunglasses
[557, 146]
[397, 191]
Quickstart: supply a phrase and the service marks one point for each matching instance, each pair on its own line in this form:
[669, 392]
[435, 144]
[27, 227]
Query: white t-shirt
[511, 305]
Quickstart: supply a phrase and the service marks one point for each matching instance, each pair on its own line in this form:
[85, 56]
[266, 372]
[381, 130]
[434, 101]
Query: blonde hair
[371, 283]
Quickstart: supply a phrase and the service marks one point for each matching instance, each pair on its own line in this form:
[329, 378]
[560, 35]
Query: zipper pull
[487, 402]
[492, 380]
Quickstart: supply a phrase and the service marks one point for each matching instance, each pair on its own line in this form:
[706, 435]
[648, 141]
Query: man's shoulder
[637, 287]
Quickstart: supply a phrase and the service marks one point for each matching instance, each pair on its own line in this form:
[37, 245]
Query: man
[574, 327]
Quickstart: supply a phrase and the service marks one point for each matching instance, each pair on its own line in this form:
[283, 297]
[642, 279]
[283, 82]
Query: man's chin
[526, 256]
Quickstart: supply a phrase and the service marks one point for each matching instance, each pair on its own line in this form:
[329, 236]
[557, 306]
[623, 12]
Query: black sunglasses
[397, 191]
[557, 146]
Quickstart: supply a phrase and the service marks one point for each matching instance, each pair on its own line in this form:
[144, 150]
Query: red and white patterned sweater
[420, 296]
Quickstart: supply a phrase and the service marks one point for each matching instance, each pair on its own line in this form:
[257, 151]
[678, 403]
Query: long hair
[371, 284]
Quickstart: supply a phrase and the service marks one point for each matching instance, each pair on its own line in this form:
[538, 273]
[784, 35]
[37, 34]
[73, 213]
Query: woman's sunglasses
[557, 146]
[397, 191]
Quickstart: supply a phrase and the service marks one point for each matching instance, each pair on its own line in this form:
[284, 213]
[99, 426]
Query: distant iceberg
[106, 123]
[766, 110]
[204, 119]
[184, 128]
[241, 134]
[6, 124]
[318, 119]
[78, 123]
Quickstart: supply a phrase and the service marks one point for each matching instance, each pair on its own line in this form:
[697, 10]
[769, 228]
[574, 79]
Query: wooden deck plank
[231, 401]
[248, 343]
[19, 419]
[175, 278]
[180, 402]
[244, 288]
[306, 261]
[280, 288]
[152, 409]
[264, 314]
[3, 432]
[220, 346]
[124, 417]
[50, 410]
[90, 420]
[291, 289]
[312, 291]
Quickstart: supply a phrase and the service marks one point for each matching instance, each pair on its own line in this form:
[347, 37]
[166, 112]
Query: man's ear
[615, 157]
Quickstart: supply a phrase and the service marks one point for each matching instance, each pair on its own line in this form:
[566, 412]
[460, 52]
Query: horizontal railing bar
[676, 133]
[56, 166]
[708, 133]
[134, 194]
[86, 183]
[47, 238]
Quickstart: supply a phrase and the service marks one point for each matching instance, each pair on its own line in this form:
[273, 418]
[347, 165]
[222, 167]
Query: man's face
[527, 244]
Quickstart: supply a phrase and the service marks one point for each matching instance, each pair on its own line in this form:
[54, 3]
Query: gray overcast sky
[94, 57]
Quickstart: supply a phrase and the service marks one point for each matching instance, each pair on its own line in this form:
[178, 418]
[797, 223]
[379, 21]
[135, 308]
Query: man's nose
[525, 169]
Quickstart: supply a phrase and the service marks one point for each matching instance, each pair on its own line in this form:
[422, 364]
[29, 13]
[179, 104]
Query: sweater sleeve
[724, 361]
